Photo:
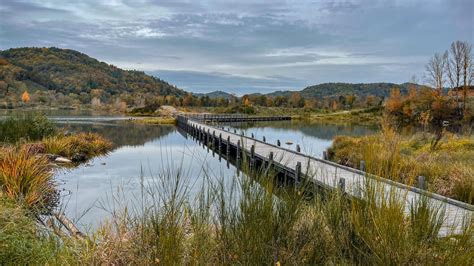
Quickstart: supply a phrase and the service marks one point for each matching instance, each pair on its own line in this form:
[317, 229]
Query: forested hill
[338, 89]
[72, 73]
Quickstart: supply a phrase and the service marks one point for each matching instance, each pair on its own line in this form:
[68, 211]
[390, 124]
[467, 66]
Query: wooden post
[278, 143]
[220, 144]
[298, 172]
[238, 149]
[421, 182]
[325, 155]
[298, 149]
[252, 157]
[342, 184]
[362, 165]
[252, 136]
[237, 155]
[227, 148]
[235, 131]
[264, 140]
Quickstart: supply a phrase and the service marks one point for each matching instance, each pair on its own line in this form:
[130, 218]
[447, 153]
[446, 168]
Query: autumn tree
[394, 102]
[25, 97]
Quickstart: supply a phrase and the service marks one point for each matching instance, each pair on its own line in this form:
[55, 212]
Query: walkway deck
[328, 174]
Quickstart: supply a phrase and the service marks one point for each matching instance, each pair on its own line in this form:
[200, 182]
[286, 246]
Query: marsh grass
[27, 178]
[447, 167]
[87, 145]
[256, 221]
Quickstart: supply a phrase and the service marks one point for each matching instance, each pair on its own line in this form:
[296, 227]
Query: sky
[246, 46]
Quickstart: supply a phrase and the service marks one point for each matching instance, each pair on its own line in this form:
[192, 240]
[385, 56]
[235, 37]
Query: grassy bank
[446, 163]
[26, 158]
[155, 121]
[362, 116]
[244, 223]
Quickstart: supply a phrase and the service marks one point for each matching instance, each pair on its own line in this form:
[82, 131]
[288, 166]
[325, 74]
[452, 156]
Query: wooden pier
[322, 173]
[221, 118]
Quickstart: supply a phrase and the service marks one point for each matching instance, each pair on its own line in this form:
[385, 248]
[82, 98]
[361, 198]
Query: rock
[79, 157]
[62, 160]
[102, 163]
[289, 143]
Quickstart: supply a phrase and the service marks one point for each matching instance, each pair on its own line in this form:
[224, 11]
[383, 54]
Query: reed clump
[27, 178]
[446, 164]
[83, 145]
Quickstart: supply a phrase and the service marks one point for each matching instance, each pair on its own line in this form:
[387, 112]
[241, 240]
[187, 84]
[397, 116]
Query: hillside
[338, 89]
[216, 95]
[72, 73]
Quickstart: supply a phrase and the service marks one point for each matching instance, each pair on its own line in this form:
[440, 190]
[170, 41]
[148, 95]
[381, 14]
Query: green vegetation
[445, 162]
[28, 127]
[22, 241]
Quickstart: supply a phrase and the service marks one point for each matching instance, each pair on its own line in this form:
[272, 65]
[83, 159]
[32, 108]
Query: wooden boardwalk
[322, 172]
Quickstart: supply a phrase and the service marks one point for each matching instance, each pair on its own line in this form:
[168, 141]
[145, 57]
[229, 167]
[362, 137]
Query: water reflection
[144, 152]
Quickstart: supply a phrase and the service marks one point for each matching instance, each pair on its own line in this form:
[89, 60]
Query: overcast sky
[247, 45]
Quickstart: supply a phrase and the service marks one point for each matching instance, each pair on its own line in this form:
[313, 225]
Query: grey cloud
[246, 44]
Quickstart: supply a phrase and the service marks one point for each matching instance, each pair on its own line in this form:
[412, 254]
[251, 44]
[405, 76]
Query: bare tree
[436, 71]
[454, 66]
[467, 69]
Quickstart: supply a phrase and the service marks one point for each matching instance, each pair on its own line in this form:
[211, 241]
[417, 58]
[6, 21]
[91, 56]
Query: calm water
[143, 152]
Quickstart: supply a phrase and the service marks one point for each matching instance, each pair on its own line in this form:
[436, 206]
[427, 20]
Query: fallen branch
[69, 225]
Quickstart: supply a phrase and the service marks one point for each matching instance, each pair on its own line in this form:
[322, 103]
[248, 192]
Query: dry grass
[447, 167]
[27, 178]
[156, 121]
[86, 145]
[259, 228]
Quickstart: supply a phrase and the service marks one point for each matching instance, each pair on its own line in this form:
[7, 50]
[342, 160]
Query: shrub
[25, 126]
[21, 242]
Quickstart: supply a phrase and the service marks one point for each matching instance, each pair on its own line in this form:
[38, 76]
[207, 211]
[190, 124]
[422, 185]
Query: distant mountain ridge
[322, 90]
[216, 94]
[71, 72]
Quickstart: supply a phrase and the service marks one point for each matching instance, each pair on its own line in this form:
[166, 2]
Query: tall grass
[85, 145]
[447, 167]
[26, 126]
[22, 242]
[27, 178]
[255, 221]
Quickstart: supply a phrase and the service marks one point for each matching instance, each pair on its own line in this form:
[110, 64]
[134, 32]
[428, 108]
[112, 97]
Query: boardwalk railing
[322, 172]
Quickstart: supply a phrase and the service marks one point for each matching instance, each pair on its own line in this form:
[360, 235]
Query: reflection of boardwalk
[324, 173]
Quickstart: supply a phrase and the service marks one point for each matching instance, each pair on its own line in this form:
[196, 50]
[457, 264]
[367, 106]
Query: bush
[21, 242]
[26, 126]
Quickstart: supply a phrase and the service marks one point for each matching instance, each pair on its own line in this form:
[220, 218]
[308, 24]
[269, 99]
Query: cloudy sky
[247, 45]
